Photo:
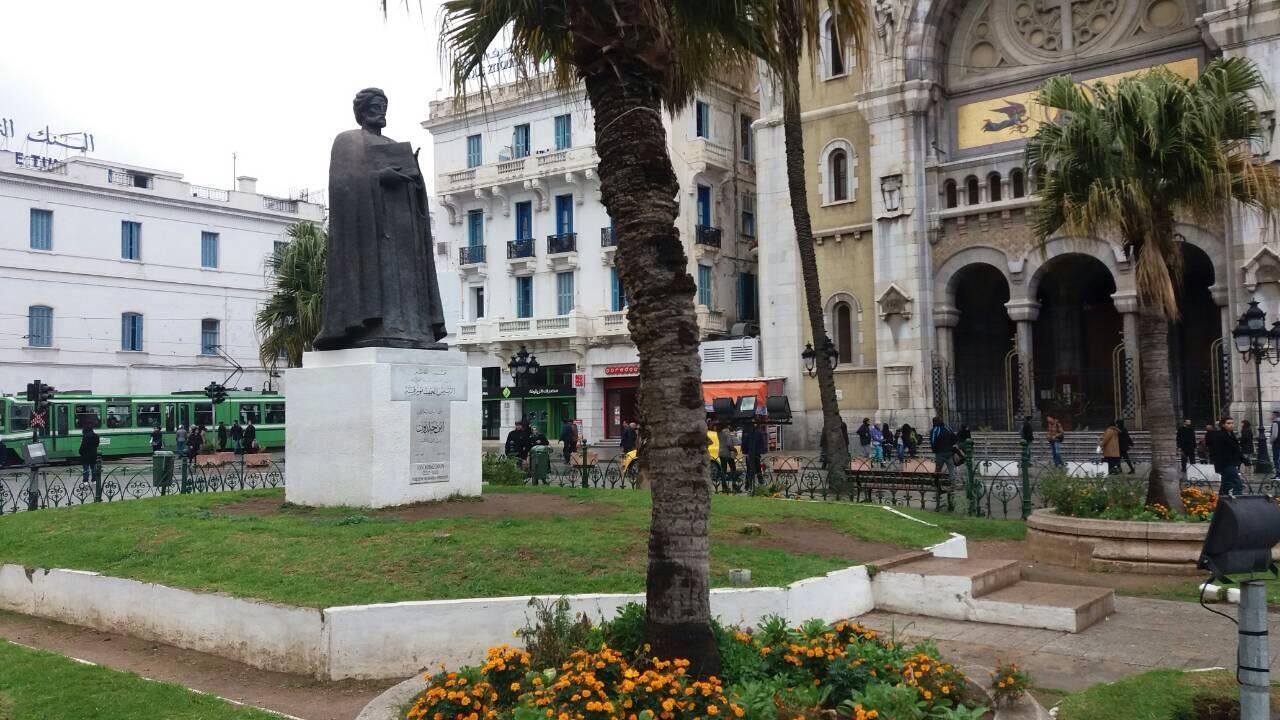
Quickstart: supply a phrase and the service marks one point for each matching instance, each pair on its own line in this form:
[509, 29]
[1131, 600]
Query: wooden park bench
[913, 475]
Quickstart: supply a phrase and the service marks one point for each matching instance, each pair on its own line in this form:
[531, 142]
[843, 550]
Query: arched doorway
[1075, 338]
[982, 339]
[1195, 358]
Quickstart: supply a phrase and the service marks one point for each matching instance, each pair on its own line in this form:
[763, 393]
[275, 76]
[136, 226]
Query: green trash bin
[539, 464]
[162, 469]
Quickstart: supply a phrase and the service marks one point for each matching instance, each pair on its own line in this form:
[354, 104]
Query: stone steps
[989, 591]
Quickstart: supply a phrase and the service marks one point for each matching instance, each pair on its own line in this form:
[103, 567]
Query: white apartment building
[120, 279]
[530, 246]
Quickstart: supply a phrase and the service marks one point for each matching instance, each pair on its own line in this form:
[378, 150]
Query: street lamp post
[811, 357]
[1255, 343]
[523, 367]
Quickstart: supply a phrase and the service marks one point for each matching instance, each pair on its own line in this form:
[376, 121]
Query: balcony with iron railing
[127, 178]
[471, 255]
[708, 235]
[521, 256]
[280, 205]
[562, 243]
[608, 245]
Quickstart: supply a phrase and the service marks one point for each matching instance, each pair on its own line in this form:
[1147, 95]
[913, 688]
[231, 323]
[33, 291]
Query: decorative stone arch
[856, 333]
[1109, 254]
[944, 278]
[1211, 245]
[706, 179]
[825, 190]
[824, 47]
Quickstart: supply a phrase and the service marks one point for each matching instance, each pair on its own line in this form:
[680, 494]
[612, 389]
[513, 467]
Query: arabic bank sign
[79, 141]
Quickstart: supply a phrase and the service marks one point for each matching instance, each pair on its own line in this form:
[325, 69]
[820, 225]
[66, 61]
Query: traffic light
[39, 393]
[215, 392]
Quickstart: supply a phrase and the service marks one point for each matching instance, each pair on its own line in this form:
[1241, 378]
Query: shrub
[498, 470]
[1009, 684]
[625, 632]
[555, 633]
[1111, 498]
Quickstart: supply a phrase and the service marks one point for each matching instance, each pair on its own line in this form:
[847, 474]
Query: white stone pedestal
[376, 427]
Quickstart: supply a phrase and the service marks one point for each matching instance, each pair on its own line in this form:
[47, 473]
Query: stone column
[1023, 313]
[1127, 305]
[945, 320]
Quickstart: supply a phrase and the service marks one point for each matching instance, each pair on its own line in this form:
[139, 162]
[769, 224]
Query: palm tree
[636, 58]
[1132, 160]
[290, 319]
[790, 27]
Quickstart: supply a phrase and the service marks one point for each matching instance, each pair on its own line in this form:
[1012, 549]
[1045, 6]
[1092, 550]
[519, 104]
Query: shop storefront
[545, 408]
[621, 384]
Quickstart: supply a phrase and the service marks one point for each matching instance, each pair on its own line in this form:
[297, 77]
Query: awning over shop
[734, 389]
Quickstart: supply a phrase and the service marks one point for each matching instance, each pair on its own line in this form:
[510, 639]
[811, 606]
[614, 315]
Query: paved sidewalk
[1141, 635]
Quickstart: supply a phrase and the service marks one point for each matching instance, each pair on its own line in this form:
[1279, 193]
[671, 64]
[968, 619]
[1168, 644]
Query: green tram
[124, 422]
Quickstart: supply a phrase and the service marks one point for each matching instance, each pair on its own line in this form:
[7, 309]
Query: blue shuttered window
[520, 141]
[704, 285]
[209, 249]
[702, 119]
[749, 216]
[130, 240]
[564, 214]
[41, 229]
[524, 220]
[131, 332]
[564, 132]
[209, 337]
[619, 295]
[704, 206]
[564, 293]
[39, 326]
[524, 297]
[746, 296]
[473, 151]
[475, 228]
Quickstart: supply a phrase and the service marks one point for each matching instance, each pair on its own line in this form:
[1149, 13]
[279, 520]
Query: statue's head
[370, 107]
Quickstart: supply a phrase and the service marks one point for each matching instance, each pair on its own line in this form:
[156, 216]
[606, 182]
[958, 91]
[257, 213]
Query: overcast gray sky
[178, 85]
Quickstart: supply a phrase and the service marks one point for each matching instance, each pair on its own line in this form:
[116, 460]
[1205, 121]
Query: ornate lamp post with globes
[1255, 343]
[523, 367]
[811, 357]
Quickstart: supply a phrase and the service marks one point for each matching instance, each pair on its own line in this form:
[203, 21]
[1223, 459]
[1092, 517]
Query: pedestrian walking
[1225, 454]
[728, 454]
[1275, 442]
[877, 444]
[88, 452]
[1109, 447]
[1054, 434]
[943, 441]
[1028, 434]
[1126, 444]
[195, 440]
[1187, 443]
[222, 437]
[1202, 447]
[755, 444]
[157, 440]
[887, 442]
[568, 440]
[250, 437]
[864, 438]
[237, 436]
[910, 439]
[628, 442]
[535, 438]
[181, 438]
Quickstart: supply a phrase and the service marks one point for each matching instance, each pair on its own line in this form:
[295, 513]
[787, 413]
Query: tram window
[62, 422]
[149, 415]
[2, 409]
[119, 415]
[275, 413]
[88, 415]
[20, 418]
[251, 413]
[204, 414]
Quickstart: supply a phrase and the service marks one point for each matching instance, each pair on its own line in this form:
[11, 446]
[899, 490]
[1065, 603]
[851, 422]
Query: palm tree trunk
[1157, 408]
[835, 440]
[639, 188]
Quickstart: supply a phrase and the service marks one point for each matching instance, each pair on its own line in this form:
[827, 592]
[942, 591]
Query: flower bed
[574, 671]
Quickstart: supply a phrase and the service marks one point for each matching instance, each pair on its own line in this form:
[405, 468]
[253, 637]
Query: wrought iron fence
[68, 486]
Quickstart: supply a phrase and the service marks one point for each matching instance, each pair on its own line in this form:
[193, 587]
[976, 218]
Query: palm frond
[290, 318]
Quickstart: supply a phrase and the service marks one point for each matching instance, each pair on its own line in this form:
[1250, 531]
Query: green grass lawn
[1154, 695]
[1190, 591]
[323, 558]
[36, 685]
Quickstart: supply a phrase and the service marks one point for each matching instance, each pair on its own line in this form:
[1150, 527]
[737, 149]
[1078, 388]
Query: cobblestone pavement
[1141, 635]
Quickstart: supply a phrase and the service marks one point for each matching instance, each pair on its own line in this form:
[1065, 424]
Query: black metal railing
[708, 235]
[608, 238]
[208, 193]
[280, 204]
[520, 248]
[67, 486]
[562, 243]
[471, 255]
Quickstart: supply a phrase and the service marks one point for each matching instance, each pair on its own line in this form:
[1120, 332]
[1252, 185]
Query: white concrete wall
[88, 285]
[263, 635]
